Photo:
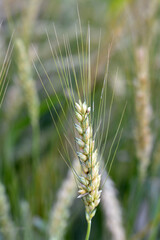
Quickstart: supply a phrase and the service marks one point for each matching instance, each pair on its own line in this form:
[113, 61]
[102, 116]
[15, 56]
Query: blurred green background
[31, 167]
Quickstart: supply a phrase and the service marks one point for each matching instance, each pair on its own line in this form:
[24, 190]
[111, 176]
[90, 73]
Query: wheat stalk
[12, 106]
[29, 19]
[112, 210]
[6, 225]
[61, 209]
[26, 81]
[26, 217]
[143, 110]
[89, 180]
[28, 87]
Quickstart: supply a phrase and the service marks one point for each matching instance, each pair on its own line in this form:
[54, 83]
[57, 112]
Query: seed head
[89, 180]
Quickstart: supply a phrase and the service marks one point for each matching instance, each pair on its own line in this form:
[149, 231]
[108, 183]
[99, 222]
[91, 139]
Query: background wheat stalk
[143, 110]
[60, 213]
[28, 87]
[7, 227]
[112, 210]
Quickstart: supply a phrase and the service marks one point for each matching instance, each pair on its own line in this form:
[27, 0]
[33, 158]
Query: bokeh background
[31, 167]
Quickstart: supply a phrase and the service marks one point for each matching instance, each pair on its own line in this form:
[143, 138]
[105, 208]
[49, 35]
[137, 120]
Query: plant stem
[88, 230]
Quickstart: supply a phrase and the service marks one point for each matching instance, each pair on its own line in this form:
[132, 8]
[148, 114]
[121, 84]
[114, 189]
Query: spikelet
[89, 180]
[26, 82]
[6, 225]
[143, 111]
[112, 210]
[60, 212]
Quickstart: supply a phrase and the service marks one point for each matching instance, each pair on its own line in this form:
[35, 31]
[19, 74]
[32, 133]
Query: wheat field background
[38, 194]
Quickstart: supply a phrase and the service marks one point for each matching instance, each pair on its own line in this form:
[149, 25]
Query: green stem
[88, 230]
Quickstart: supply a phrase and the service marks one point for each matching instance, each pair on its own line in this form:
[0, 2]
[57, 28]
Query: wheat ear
[89, 180]
[61, 210]
[28, 87]
[112, 210]
[11, 105]
[143, 110]
[26, 81]
[6, 225]
[29, 19]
